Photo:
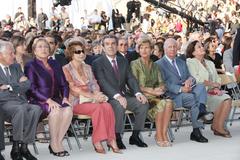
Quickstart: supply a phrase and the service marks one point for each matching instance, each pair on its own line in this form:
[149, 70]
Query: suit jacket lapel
[168, 65]
[120, 68]
[3, 75]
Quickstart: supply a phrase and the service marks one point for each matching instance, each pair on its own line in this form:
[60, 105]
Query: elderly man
[13, 104]
[182, 88]
[117, 82]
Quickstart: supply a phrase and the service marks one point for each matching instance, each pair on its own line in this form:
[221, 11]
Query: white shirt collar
[3, 66]
[110, 59]
[170, 60]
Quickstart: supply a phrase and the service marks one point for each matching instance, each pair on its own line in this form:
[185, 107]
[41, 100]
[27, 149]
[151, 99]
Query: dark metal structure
[190, 19]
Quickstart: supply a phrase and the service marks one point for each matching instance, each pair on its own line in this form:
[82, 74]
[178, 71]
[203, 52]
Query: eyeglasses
[79, 51]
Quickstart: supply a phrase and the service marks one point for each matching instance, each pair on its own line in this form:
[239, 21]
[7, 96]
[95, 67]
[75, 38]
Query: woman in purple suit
[50, 90]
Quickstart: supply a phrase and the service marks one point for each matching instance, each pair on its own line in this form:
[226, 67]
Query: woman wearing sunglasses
[87, 99]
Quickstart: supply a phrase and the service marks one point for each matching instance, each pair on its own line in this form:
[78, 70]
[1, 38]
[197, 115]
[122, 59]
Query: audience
[118, 87]
[205, 73]
[181, 87]
[21, 55]
[83, 86]
[14, 105]
[115, 79]
[49, 89]
[210, 48]
[152, 85]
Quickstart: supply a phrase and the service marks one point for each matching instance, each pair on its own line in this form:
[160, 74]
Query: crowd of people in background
[148, 63]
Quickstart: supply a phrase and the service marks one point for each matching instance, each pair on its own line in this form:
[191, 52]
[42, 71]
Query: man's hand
[141, 98]
[4, 87]
[188, 83]
[186, 89]
[23, 78]
[122, 100]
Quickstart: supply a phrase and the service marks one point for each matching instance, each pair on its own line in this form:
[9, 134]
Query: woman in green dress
[149, 78]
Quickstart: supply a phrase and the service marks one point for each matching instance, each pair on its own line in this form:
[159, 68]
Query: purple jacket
[46, 83]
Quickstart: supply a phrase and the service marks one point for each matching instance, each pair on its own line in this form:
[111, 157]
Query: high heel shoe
[162, 143]
[58, 154]
[217, 133]
[99, 150]
[167, 144]
[65, 153]
[115, 150]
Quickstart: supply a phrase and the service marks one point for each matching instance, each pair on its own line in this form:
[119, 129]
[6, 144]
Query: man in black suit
[117, 82]
[122, 50]
[60, 58]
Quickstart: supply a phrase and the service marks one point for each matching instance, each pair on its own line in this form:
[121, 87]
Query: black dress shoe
[198, 137]
[137, 141]
[16, 155]
[1, 156]
[26, 153]
[120, 144]
[206, 117]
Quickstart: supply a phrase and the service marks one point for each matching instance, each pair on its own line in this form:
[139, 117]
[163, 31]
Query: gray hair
[4, 45]
[167, 42]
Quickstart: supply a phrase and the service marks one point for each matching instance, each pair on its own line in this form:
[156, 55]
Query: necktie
[7, 73]
[175, 67]
[115, 68]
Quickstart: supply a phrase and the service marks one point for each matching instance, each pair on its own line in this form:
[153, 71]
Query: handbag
[83, 99]
[237, 73]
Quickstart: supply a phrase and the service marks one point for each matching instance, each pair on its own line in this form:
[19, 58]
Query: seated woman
[88, 100]
[50, 90]
[210, 45]
[151, 84]
[205, 72]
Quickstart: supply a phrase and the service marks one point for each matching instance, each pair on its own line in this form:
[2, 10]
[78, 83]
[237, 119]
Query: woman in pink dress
[88, 100]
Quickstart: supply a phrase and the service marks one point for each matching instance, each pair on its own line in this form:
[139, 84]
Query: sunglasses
[79, 51]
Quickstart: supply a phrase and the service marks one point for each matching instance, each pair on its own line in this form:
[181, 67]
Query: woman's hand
[99, 97]
[218, 91]
[159, 91]
[52, 104]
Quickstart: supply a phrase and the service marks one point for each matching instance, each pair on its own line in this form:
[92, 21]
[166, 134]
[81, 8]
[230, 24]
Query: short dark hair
[109, 36]
[190, 49]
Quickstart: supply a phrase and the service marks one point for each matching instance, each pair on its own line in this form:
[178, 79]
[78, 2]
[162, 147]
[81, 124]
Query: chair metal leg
[179, 121]
[130, 121]
[86, 130]
[170, 134]
[151, 129]
[35, 148]
[68, 141]
[76, 137]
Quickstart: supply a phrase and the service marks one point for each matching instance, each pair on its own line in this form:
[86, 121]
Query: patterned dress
[149, 77]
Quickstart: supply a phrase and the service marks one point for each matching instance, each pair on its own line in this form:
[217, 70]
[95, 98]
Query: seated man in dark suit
[182, 87]
[117, 82]
[14, 105]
